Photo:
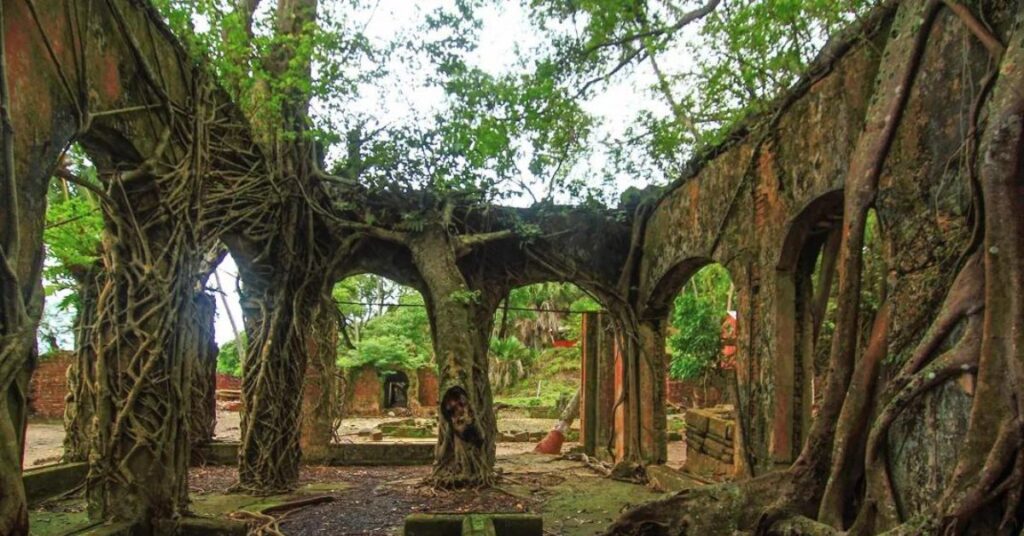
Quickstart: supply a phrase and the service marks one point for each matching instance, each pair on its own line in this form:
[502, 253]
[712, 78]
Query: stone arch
[665, 290]
[811, 243]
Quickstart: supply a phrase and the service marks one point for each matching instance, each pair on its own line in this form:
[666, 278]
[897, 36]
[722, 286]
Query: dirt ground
[45, 438]
[573, 499]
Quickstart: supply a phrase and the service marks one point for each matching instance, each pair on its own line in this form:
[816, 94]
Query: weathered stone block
[52, 480]
[474, 524]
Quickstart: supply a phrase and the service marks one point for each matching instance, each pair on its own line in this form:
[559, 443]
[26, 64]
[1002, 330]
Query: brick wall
[50, 386]
[228, 382]
[694, 393]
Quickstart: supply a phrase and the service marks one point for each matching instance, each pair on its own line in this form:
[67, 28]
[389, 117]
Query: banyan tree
[207, 141]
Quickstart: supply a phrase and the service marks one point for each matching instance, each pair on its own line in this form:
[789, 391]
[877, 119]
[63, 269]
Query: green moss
[220, 504]
[59, 518]
[584, 505]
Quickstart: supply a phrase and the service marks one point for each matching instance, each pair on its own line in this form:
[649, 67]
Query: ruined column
[651, 398]
[320, 401]
[598, 378]
[203, 416]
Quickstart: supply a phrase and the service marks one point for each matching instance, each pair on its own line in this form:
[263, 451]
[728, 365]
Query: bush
[695, 341]
[228, 360]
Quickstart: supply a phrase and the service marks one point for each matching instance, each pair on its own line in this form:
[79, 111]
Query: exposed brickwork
[709, 441]
[228, 382]
[695, 393]
[429, 390]
[363, 392]
[50, 386]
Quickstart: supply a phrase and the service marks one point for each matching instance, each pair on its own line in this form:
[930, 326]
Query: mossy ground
[573, 499]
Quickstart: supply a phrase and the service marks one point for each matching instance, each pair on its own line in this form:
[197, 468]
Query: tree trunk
[143, 374]
[13, 419]
[269, 455]
[461, 323]
[281, 294]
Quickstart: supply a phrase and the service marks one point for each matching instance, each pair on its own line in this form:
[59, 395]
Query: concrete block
[456, 525]
[216, 453]
[666, 479]
[52, 480]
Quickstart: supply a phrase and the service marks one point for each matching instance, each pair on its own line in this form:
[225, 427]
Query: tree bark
[461, 323]
[143, 373]
[277, 303]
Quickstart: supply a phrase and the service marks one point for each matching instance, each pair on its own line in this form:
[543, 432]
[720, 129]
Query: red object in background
[551, 444]
[729, 327]
[563, 344]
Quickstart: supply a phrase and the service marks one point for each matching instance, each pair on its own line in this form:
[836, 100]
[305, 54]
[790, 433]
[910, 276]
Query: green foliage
[510, 349]
[556, 370]
[229, 359]
[510, 359]
[695, 342]
[74, 225]
[705, 75]
[399, 338]
[465, 297]
[269, 67]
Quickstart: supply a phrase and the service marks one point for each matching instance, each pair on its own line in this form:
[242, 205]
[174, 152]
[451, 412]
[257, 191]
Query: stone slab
[51, 480]
[456, 525]
[666, 479]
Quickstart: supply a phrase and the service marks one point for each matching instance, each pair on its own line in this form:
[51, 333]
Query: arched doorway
[536, 365]
[807, 284]
[396, 390]
[701, 335]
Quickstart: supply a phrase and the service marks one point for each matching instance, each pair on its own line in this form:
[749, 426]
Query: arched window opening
[808, 285]
[535, 366]
[702, 344]
[385, 354]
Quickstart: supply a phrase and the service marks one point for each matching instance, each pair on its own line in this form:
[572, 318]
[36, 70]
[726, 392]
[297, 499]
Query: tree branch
[466, 243]
[78, 181]
[684, 20]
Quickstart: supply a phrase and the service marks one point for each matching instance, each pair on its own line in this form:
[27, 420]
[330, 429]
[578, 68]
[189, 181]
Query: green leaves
[694, 341]
[230, 358]
[399, 337]
[74, 224]
[705, 73]
[465, 297]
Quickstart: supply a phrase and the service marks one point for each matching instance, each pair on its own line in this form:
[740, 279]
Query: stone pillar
[320, 404]
[653, 420]
[203, 416]
[599, 386]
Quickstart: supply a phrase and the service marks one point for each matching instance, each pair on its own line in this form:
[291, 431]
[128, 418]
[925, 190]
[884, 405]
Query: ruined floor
[572, 498]
[44, 444]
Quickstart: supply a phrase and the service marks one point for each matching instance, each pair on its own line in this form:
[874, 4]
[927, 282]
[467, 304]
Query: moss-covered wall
[747, 207]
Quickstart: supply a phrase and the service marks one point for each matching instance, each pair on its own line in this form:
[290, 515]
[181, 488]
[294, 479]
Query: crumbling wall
[737, 211]
[50, 385]
[748, 208]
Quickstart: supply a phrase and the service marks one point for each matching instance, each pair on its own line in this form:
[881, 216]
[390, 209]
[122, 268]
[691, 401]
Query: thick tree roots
[844, 481]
